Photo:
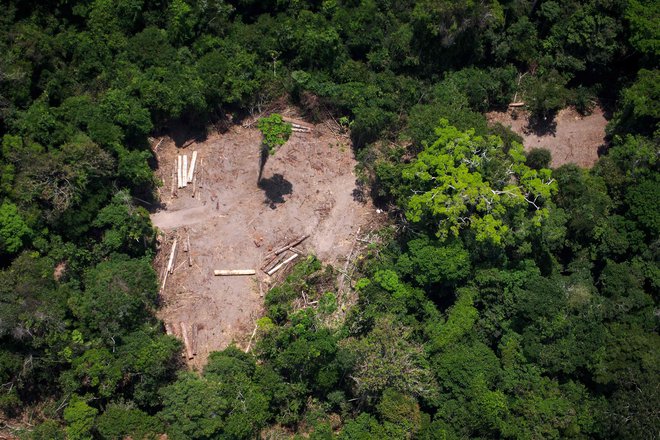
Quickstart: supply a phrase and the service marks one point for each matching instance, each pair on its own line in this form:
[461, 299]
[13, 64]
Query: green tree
[116, 296]
[127, 227]
[13, 230]
[79, 418]
[388, 358]
[451, 187]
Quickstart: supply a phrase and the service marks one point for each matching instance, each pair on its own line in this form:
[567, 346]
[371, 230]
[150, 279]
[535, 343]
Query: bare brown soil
[307, 188]
[571, 137]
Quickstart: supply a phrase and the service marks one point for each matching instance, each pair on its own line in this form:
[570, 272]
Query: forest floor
[308, 187]
[570, 137]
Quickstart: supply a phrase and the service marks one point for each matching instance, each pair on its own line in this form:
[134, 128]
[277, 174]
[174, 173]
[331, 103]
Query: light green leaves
[467, 182]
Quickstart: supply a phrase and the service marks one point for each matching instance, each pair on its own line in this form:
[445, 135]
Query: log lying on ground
[295, 242]
[281, 265]
[174, 180]
[191, 170]
[517, 104]
[297, 122]
[194, 339]
[170, 264]
[232, 272]
[184, 173]
[274, 262]
[186, 340]
[179, 163]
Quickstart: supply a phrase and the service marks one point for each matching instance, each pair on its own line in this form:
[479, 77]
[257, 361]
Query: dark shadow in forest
[275, 188]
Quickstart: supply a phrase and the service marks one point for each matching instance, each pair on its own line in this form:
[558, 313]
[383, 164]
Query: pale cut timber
[232, 272]
[174, 182]
[184, 174]
[517, 104]
[179, 175]
[191, 170]
[194, 339]
[297, 122]
[170, 264]
[281, 265]
[186, 341]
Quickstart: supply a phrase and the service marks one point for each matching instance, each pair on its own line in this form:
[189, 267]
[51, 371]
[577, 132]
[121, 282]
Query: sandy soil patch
[571, 138]
[307, 188]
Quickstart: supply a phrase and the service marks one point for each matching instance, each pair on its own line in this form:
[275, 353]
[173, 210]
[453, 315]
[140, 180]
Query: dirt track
[307, 188]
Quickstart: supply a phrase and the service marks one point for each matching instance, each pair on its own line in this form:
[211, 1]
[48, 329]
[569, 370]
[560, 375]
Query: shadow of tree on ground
[275, 188]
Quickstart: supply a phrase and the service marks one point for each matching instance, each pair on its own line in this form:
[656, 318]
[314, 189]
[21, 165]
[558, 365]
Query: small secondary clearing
[573, 138]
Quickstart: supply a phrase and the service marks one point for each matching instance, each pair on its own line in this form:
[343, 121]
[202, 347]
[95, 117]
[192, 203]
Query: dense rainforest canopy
[510, 300]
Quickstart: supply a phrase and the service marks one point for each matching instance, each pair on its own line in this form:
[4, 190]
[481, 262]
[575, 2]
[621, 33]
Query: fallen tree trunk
[170, 264]
[174, 180]
[186, 341]
[194, 339]
[292, 244]
[297, 122]
[281, 265]
[232, 272]
[184, 173]
[191, 171]
[179, 163]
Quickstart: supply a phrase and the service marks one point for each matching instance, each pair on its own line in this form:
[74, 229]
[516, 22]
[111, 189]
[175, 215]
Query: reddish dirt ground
[575, 138]
[307, 188]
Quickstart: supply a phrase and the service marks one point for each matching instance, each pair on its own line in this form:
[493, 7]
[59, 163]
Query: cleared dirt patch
[233, 223]
[572, 138]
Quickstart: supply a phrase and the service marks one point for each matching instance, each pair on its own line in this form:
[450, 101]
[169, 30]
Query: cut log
[300, 130]
[174, 182]
[191, 171]
[297, 122]
[282, 264]
[517, 104]
[254, 332]
[274, 262]
[168, 329]
[232, 272]
[184, 173]
[270, 261]
[292, 244]
[194, 184]
[179, 162]
[194, 339]
[186, 340]
[170, 264]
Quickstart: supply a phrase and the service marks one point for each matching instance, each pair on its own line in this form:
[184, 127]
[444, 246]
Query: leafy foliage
[275, 131]
[513, 301]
